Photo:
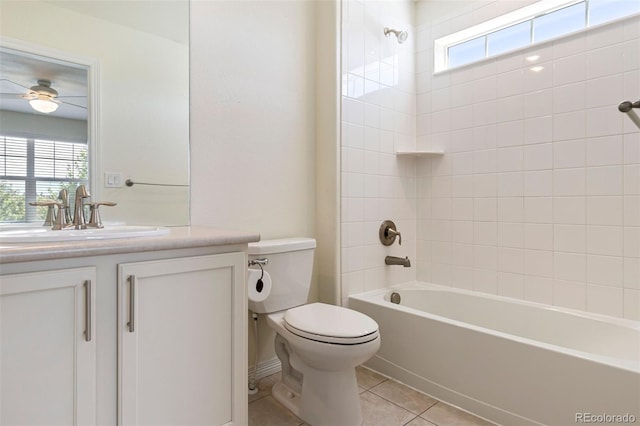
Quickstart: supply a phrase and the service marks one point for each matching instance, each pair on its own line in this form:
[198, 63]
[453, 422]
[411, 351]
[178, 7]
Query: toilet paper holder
[260, 262]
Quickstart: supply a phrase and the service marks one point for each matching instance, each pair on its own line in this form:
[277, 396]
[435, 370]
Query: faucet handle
[61, 218]
[388, 233]
[94, 220]
[51, 212]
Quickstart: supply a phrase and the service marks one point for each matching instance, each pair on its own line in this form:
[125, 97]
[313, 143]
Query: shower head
[401, 35]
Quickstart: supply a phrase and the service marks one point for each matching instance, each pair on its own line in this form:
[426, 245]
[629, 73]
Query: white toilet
[319, 345]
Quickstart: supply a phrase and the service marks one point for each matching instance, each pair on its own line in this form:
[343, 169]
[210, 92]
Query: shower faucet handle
[388, 233]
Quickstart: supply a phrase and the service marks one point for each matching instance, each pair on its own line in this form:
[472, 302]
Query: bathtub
[508, 361]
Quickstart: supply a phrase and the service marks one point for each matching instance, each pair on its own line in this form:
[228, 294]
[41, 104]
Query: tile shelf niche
[419, 153]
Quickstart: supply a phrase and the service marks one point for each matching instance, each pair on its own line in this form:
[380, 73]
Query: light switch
[112, 179]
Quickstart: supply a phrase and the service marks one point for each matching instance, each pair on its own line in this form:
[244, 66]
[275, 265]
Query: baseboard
[266, 368]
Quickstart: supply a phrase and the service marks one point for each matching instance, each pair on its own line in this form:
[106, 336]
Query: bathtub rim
[378, 297]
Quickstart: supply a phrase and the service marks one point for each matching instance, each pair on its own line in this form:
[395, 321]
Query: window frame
[516, 17]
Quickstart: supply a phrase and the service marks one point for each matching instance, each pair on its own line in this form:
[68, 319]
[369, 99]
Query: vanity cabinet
[48, 347]
[175, 340]
[168, 321]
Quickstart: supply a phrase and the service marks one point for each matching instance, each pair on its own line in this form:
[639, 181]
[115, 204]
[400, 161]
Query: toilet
[319, 345]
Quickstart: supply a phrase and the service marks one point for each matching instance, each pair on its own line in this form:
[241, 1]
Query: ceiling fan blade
[13, 82]
[74, 105]
[72, 96]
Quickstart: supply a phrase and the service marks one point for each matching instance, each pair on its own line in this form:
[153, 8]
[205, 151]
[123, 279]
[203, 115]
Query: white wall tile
[511, 285]
[538, 236]
[631, 304]
[570, 266]
[631, 148]
[603, 121]
[631, 213]
[538, 130]
[604, 180]
[510, 159]
[570, 97]
[570, 294]
[604, 151]
[569, 69]
[538, 289]
[569, 210]
[569, 154]
[568, 182]
[539, 103]
[604, 62]
[605, 210]
[538, 157]
[510, 234]
[604, 91]
[570, 125]
[605, 240]
[538, 263]
[538, 209]
[570, 238]
[631, 241]
[631, 175]
[538, 183]
[605, 270]
[542, 179]
[605, 300]
[510, 209]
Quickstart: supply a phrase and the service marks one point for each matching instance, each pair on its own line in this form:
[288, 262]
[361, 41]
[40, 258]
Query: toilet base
[327, 398]
[287, 397]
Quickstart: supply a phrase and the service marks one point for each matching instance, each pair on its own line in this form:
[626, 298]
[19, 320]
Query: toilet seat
[330, 324]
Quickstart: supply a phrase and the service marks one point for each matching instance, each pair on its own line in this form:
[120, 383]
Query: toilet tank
[290, 267]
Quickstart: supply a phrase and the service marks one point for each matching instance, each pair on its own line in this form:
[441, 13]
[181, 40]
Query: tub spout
[392, 260]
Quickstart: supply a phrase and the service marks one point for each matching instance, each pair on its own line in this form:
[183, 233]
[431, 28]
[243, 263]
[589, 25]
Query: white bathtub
[511, 362]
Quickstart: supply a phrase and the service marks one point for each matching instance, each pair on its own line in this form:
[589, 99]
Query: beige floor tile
[264, 386]
[443, 414]
[403, 396]
[368, 378]
[377, 411]
[268, 412]
[419, 421]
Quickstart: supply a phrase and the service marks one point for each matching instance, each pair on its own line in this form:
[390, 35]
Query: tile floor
[385, 402]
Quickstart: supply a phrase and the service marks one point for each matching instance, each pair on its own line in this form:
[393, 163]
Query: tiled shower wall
[537, 196]
[378, 117]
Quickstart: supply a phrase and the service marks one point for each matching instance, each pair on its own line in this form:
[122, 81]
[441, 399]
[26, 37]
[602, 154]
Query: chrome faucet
[79, 221]
[393, 260]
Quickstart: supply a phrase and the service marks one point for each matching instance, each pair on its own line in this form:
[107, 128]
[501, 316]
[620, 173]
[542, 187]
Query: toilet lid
[330, 324]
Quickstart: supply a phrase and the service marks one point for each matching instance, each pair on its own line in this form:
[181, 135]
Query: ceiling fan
[42, 97]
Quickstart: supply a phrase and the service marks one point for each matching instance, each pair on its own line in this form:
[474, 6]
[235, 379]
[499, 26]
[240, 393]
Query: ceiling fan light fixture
[45, 106]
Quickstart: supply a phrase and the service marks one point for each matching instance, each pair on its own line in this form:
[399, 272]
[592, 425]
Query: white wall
[378, 118]
[253, 146]
[252, 116]
[538, 194]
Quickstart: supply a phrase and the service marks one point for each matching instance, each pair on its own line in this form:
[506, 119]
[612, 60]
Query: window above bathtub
[536, 23]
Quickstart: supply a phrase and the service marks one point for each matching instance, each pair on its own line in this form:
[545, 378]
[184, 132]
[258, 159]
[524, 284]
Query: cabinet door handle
[87, 310]
[132, 304]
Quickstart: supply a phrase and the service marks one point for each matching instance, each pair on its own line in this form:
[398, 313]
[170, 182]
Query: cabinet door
[182, 333]
[47, 355]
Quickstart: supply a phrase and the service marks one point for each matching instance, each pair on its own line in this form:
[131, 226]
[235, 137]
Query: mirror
[136, 54]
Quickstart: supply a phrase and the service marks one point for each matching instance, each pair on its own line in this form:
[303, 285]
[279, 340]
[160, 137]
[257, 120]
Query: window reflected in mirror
[43, 133]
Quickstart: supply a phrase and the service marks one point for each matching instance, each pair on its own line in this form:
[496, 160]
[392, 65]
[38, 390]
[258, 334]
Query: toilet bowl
[318, 345]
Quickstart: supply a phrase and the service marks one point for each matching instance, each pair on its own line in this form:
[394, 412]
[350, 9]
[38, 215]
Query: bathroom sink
[44, 234]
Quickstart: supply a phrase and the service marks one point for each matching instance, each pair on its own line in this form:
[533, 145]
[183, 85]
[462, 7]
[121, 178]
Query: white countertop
[178, 238]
